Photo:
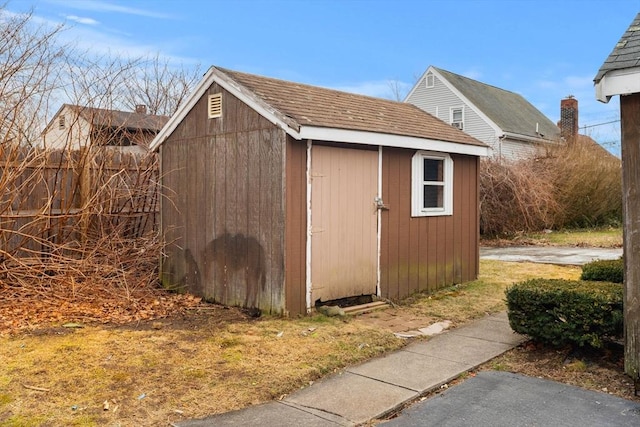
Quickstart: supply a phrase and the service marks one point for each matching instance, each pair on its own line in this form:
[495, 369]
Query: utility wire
[599, 124]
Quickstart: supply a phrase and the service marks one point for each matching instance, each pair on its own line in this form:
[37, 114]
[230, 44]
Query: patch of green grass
[120, 377]
[228, 342]
[320, 318]
[576, 366]
[21, 421]
[5, 398]
[195, 373]
[603, 238]
[232, 356]
[497, 366]
[68, 348]
[85, 420]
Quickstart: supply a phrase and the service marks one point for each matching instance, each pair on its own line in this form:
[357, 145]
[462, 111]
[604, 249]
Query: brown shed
[280, 196]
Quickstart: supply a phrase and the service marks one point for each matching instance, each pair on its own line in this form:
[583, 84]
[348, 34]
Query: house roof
[598, 150]
[509, 111]
[622, 64]
[118, 119]
[311, 112]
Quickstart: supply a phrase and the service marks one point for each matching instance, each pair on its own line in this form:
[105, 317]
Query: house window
[430, 80]
[61, 122]
[432, 184]
[457, 117]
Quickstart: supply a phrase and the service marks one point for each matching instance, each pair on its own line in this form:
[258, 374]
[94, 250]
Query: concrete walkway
[550, 254]
[372, 389]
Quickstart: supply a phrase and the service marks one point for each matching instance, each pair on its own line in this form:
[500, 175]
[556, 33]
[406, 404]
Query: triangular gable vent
[215, 105]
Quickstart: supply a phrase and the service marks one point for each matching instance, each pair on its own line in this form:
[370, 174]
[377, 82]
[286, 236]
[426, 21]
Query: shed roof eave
[618, 82]
[316, 133]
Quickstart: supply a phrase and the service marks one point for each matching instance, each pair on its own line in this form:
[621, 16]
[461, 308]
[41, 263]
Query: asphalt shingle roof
[510, 111]
[626, 53]
[316, 106]
[120, 119]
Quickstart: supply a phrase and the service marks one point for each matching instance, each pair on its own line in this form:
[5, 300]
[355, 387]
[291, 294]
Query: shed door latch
[380, 204]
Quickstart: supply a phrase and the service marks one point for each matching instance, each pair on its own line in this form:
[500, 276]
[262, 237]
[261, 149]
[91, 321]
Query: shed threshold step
[365, 308]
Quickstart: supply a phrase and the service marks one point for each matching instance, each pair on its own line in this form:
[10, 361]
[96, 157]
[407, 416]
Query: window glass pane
[433, 196]
[457, 115]
[433, 170]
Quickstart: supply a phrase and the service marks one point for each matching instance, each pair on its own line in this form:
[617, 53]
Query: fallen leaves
[25, 309]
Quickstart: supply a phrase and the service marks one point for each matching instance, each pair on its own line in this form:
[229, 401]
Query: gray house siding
[503, 120]
[510, 149]
[444, 98]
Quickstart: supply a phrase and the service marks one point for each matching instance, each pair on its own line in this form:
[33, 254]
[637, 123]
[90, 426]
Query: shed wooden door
[344, 244]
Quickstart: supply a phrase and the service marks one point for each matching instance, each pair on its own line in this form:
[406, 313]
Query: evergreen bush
[558, 312]
[604, 271]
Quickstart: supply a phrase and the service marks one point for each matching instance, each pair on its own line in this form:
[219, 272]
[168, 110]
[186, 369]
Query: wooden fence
[59, 200]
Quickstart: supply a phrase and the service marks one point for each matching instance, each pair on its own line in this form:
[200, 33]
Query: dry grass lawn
[207, 361]
[210, 359]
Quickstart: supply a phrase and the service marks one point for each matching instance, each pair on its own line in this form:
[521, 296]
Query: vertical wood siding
[223, 206]
[427, 253]
[629, 113]
[296, 227]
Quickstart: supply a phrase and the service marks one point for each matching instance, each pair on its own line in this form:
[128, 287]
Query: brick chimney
[568, 118]
[141, 109]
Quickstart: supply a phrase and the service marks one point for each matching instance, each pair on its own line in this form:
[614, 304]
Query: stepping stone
[408, 334]
[436, 328]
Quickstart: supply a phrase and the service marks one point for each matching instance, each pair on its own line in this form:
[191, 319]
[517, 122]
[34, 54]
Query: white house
[508, 123]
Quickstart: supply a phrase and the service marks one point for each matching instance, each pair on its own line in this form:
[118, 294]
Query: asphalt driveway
[494, 399]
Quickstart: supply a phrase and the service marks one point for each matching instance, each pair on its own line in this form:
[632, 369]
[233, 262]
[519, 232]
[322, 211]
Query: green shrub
[604, 271]
[559, 312]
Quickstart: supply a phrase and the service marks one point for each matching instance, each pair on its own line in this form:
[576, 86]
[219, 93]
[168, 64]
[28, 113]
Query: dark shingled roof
[321, 107]
[510, 111]
[120, 119]
[626, 53]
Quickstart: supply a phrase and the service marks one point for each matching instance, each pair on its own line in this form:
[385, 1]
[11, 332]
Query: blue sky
[541, 49]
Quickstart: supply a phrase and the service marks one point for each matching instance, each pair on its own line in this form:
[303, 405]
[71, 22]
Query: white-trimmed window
[431, 184]
[430, 80]
[457, 117]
